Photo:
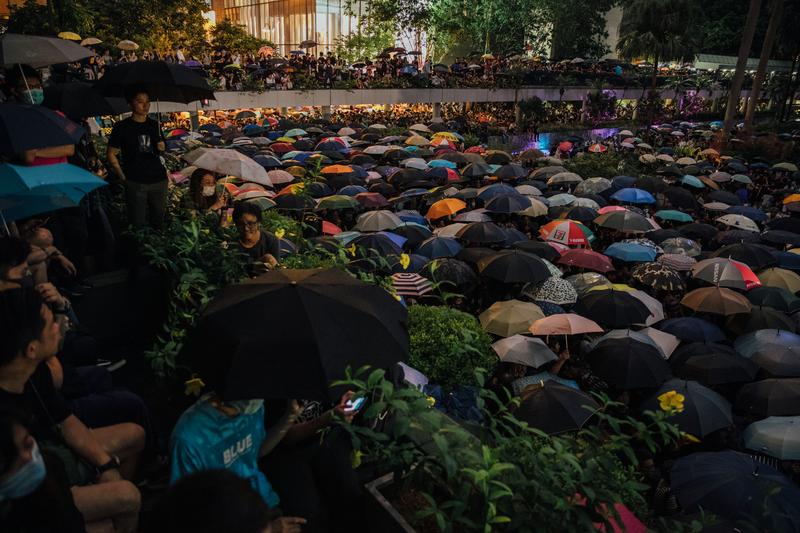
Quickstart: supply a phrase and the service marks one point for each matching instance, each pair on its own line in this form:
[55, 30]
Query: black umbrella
[760, 317]
[507, 203]
[698, 231]
[482, 233]
[514, 266]
[736, 236]
[628, 363]
[290, 333]
[415, 233]
[473, 255]
[725, 197]
[775, 297]
[511, 171]
[791, 224]
[735, 485]
[165, 82]
[777, 236]
[753, 255]
[542, 249]
[476, 170]
[555, 408]
[704, 411]
[581, 214]
[451, 272]
[769, 397]
[79, 100]
[650, 184]
[685, 351]
[381, 244]
[38, 51]
[27, 127]
[612, 309]
[660, 235]
[658, 276]
[681, 198]
[717, 368]
[294, 202]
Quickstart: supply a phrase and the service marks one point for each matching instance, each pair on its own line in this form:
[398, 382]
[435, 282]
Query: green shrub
[448, 345]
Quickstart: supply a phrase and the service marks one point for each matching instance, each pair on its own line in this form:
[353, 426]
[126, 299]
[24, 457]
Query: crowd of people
[694, 245]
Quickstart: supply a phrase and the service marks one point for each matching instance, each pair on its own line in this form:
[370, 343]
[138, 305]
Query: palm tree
[766, 50]
[741, 64]
[656, 29]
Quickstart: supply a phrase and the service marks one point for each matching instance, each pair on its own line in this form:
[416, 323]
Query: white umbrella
[229, 162]
[414, 162]
[127, 45]
[449, 230]
[654, 306]
[522, 350]
[739, 221]
[420, 127]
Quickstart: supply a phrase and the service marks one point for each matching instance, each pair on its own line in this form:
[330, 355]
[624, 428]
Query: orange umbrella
[329, 228]
[445, 208]
[717, 301]
[564, 324]
[337, 169]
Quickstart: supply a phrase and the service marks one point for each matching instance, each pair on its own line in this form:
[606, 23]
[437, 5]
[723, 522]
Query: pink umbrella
[564, 324]
[610, 209]
[588, 259]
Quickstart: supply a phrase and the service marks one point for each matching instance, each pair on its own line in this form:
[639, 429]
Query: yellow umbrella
[510, 317]
[69, 36]
[285, 140]
[446, 135]
[417, 140]
[791, 199]
[90, 41]
[795, 251]
[779, 277]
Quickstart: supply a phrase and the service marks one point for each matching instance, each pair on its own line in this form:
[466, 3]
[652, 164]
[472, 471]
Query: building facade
[287, 23]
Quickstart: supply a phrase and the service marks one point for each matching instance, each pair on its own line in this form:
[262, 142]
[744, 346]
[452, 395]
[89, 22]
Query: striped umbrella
[410, 285]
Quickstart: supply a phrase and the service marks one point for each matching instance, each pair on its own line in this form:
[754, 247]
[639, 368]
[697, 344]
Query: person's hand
[109, 475]
[286, 524]
[50, 295]
[293, 410]
[67, 265]
[564, 355]
[341, 408]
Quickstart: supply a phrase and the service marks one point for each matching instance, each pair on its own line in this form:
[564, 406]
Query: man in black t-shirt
[140, 142]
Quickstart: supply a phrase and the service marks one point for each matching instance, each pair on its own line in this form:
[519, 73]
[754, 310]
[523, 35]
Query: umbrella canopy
[482, 233]
[681, 245]
[227, 161]
[658, 276]
[555, 408]
[753, 255]
[717, 368]
[564, 324]
[613, 309]
[716, 301]
[781, 278]
[734, 485]
[522, 350]
[542, 249]
[553, 290]
[79, 100]
[585, 258]
[450, 272]
[165, 82]
[777, 436]
[510, 317]
[769, 397]
[410, 285]
[632, 195]
[775, 350]
[692, 329]
[514, 266]
[625, 221]
[444, 208]
[777, 298]
[28, 127]
[377, 221]
[631, 252]
[435, 247]
[329, 320]
[699, 410]
[761, 318]
[726, 273]
[38, 51]
[628, 363]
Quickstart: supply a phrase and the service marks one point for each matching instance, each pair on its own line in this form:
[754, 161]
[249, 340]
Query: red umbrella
[597, 148]
[281, 148]
[329, 228]
[564, 146]
[588, 259]
[474, 150]
[371, 199]
[630, 522]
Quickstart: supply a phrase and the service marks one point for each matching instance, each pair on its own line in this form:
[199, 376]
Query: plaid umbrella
[678, 262]
[658, 276]
[411, 285]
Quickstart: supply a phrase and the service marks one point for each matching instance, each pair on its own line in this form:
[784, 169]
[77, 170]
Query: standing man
[140, 142]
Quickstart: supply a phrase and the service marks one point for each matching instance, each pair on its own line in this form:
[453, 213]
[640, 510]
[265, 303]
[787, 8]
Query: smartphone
[352, 406]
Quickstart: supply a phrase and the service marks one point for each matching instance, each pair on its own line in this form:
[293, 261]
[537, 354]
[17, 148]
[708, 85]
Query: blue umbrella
[410, 193]
[631, 252]
[416, 263]
[513, 235]
[787, 260]
[621, 182]
[352, 190]
[267, 161]
[441, 163]
[252, 129]
[753, 213]
[399, 240]
[409, 215]
[632, 195]
[693, 181]
[498, 189]
[692, 329]
[436, 247]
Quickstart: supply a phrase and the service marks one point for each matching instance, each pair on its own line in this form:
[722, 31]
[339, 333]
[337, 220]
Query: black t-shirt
[137, 141]
[267, 244]
[41, 399]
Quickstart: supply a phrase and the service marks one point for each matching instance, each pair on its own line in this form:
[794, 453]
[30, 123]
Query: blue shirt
[205, 438]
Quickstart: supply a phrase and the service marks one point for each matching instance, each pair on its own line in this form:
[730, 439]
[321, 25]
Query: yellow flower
[279, 233]
[405, 260]
[671, 402]
[431, 401]
[355, 458]
[352, 250]
[194, 386]
[688, 437]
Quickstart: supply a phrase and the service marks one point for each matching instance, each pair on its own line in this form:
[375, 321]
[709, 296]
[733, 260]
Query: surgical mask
[25, 480]
[246, 407]
[209, 191]
[34, 96]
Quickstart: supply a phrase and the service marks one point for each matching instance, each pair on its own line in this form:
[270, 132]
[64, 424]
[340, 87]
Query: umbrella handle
[5, 225]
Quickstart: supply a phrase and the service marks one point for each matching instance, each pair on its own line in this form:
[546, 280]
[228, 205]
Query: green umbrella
[671, 214]
[778, 436]
[337, 201]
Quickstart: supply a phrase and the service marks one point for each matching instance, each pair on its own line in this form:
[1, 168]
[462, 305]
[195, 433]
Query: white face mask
[209, 191]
